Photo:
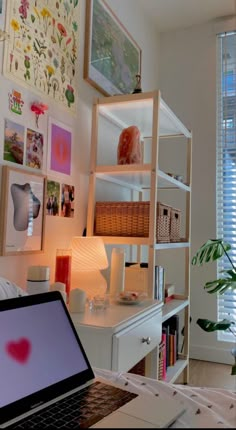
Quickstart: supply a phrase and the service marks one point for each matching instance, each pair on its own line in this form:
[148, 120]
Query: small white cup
[59, 286]
[77, 300]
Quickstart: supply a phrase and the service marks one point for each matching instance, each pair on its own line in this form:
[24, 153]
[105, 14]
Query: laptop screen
[41, 354]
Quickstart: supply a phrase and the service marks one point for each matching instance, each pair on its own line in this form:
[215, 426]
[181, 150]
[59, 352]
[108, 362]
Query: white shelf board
[171, 308]
[172, 245]
[131, 240]
[137, 177]
[125, 110]
[174, 371]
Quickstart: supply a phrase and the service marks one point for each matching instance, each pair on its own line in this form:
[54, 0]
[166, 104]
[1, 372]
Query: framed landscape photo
[22, 212]
[112, 58]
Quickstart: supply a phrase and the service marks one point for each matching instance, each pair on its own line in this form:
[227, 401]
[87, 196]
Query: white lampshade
[88, 254]
[88, 258]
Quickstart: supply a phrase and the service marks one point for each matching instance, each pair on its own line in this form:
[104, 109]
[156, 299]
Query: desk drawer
[132, 344]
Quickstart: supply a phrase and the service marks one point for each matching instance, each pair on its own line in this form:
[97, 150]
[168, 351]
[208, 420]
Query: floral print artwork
[42, 49]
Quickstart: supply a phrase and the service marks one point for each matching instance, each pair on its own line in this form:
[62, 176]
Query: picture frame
[41, 53]
[60, 140]
[22, 212]
[2, 14]
[112, 58]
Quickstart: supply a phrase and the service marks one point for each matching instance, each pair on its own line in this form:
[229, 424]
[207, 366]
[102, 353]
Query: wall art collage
[28, 195]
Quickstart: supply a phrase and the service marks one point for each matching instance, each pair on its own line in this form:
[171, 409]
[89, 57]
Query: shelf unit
[155, 121]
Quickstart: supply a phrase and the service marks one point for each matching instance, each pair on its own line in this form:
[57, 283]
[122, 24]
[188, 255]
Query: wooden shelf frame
[155, 121]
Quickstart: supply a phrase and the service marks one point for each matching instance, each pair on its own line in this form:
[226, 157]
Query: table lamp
[88, 258]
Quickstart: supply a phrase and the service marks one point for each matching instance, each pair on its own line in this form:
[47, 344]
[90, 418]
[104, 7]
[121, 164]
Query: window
[226, 165]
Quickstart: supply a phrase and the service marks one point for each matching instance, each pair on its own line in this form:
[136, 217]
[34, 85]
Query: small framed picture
[112, 58]
[59, 148]
[2, 14]
[22, 212]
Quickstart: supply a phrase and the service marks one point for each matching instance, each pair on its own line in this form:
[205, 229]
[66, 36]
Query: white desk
[118, 337]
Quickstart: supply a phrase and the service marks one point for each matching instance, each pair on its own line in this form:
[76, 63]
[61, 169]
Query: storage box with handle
[175, 221]
[131, 219]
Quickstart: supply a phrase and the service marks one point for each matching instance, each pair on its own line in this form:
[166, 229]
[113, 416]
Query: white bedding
[205, 407]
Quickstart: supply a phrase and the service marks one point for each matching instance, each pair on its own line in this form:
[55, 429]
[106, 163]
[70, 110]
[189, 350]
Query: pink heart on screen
[19, 350]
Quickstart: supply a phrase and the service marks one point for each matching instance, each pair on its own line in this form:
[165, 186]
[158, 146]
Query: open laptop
[44, 371]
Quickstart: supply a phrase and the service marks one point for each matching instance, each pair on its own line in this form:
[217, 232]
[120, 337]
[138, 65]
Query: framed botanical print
[22, 212]
[42, 51]
[112, 58]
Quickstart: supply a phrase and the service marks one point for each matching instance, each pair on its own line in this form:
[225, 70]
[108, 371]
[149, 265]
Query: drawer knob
[146, 340]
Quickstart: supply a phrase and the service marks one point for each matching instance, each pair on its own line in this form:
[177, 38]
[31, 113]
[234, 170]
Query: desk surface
[116, 314]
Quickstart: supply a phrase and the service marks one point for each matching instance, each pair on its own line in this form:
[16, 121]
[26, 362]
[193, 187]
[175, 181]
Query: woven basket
[175, 220]
[131, 219]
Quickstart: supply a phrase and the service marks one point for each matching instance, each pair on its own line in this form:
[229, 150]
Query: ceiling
[175, 14]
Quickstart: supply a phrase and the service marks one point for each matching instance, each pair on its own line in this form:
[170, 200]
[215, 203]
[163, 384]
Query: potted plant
[210, 251]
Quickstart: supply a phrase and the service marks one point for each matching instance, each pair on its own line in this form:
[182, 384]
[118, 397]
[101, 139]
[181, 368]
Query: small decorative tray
[130, 298]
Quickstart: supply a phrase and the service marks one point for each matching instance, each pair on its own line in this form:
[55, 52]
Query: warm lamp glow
[88, 258]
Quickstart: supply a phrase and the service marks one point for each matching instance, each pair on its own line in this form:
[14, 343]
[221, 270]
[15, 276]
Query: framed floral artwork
[59, 147]
[112, 58]
[42, 49]
[22, 212]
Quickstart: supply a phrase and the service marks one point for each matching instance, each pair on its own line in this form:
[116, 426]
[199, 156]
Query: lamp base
[92, 283]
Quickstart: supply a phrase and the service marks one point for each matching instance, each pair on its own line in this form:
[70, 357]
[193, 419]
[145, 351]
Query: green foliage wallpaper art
[115, 58]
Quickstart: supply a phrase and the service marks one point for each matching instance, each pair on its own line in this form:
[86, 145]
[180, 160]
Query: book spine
[164, 356]
[174, 328]
[167, 331]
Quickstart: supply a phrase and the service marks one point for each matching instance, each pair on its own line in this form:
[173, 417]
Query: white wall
[58, 231]
[188, 85]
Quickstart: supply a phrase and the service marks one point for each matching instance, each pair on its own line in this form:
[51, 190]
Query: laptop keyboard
[79, 410]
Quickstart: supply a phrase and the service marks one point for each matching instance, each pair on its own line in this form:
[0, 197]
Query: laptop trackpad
[120, 420]
[148, 410]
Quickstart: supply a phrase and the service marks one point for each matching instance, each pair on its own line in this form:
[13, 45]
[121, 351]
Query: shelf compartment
[178, 303]
[137, 177]
[122, 240]
[173, 372]
[123, 110]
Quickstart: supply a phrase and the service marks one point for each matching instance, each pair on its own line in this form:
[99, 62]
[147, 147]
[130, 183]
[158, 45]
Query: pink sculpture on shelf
[129, 147]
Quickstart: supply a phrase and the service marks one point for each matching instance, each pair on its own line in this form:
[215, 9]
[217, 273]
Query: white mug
[77, 300]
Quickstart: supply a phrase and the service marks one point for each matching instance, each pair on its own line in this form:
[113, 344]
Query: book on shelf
[166, 331]
[174, 328]
[169, 290]
[168, 299]
[170, 332]
[159, 290]
[172, 351]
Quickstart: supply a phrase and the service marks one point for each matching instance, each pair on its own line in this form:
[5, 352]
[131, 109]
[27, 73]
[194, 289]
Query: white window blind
[226, 166]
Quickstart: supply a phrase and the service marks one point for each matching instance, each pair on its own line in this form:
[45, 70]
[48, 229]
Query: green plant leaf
[210, 251]
[222, 284]
[233, 370]
[209, 326]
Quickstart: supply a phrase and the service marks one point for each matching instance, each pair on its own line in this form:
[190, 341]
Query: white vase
[117, 275]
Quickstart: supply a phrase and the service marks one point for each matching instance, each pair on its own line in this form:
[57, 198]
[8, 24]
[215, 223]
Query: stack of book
[168, 350]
